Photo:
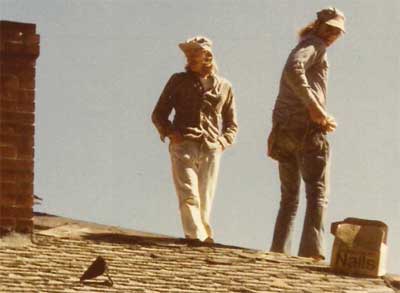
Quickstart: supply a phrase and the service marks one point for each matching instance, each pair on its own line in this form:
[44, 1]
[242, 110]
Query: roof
[142, 262]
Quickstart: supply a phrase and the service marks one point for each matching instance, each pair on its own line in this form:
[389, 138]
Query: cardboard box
[360, 247]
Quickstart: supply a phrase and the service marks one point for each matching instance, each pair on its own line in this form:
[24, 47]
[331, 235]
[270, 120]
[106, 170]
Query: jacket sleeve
[301, 58]
[163, 108]
[229, 121]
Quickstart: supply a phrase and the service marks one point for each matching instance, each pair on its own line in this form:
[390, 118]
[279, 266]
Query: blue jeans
[303, 155]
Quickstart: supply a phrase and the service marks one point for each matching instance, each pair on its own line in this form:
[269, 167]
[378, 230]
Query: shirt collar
[215, 78]
[312, 36]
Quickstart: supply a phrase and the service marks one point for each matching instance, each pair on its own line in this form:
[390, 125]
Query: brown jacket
[198, 113]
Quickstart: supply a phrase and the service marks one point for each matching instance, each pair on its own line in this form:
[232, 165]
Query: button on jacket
[303, 83]
[208, 116]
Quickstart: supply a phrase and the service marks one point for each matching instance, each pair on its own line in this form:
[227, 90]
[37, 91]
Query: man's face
[329, 34]
[198, 58]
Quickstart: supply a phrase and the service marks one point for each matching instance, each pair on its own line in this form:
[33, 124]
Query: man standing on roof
[298, 137]
[202, 101]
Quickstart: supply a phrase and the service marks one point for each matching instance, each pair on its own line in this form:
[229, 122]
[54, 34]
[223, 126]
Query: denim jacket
[303, 83]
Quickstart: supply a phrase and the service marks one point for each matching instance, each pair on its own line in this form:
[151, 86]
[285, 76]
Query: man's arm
[229, 121]
[163, 109]
[298, 62]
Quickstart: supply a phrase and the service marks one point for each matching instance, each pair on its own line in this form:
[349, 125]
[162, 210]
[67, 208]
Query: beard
[201, 67]
[206, 69]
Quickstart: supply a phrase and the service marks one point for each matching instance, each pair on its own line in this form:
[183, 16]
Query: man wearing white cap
[202, 101]
[298, 137]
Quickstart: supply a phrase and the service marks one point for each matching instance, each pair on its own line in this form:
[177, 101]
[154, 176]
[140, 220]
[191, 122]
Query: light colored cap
[333, 17]
[197, 42]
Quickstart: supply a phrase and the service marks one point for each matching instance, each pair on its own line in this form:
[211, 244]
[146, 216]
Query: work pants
[195, 172]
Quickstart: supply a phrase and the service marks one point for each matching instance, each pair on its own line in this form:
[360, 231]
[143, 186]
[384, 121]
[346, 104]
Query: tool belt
[284, 141]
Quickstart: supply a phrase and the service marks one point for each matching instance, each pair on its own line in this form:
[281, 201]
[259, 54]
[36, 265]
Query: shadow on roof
[157, 241]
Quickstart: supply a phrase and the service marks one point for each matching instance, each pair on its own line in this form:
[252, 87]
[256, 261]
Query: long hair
[209, 68]
[309, 28]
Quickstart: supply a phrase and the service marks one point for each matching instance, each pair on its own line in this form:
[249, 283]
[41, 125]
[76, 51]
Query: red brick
[18, 52]
[31, 39]
[16, 188]
[15, 106]
[9, 94]
[16, 176]
[18, 100]
[12, 27]
[25, 188]
[23, 118]
[19, 48]
[7, 224]
[7, 212]
[18, 61]
[24, 201]
[18, 141]
[8, 152]
[26, 96]
[24, 75]
[9, 34]
[23, 213]
[16, 165]
[26, 107]
[7, 177]
[27, 130]
[26, 153]
[25, 72]
[9, 128]
[25, 176]
[9, 81]
[20, 70]
[27, 83]
[32, 50]
[14, 212]
[8, 105]
[8, 188]
[8, 199]
[24, 226]
[11, 47]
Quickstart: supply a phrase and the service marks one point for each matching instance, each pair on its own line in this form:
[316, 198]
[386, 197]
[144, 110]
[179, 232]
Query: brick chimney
[19, 49]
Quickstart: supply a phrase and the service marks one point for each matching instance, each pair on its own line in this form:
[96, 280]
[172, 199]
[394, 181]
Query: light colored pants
[195, 172]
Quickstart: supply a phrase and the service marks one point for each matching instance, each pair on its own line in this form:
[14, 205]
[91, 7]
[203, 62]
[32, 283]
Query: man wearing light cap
[297, 141]
[202, 101]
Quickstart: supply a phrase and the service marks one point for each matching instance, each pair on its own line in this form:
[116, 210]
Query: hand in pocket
[175, 137]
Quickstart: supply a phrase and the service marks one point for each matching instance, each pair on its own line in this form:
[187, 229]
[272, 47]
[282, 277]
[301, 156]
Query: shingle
[155, 264]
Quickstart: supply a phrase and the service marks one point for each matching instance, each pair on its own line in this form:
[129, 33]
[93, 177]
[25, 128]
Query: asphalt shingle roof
[54, 263]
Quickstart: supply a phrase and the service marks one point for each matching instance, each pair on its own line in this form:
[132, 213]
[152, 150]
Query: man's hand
[329, 124]
[175, 137]
[319, 116]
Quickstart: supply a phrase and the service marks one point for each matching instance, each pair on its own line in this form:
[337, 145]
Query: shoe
[193, 242]
[209, 240]
[318, 259]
